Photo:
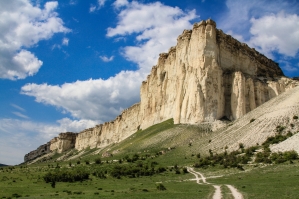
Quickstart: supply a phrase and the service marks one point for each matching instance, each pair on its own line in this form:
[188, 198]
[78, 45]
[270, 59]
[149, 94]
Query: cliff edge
[207, 76]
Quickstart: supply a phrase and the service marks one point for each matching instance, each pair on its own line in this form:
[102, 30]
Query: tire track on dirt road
[217, 194]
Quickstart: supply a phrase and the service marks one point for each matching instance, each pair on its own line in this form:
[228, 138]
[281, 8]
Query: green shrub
[15, 195]
[241, 145]
[279, 129]
[98, 161]
[276, 139]
[290, 155]
[295, 117]
[198, 155]
[185, 170]
[263, 157]
[66, 175]
[161, 187]
[177, 171]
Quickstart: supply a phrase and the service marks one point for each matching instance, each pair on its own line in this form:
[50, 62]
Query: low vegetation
[151, 164]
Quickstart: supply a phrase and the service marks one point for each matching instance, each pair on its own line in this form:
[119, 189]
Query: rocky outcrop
[63, 142]
[207, 76]
[110, 132]
[41, 150]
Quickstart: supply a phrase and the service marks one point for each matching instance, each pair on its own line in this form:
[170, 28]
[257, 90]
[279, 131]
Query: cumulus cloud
[91, 99]
[17, 136]
[120, 3]
[157, 27]
[239, 13]
[107, 59]
[23, 25]
[276, 32]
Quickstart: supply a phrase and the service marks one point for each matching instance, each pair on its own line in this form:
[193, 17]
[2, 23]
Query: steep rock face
[104, 134]
[207, 76]
[41, 150]
[63, 142]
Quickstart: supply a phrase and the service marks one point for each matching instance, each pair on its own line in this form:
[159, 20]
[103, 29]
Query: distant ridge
[3, 165]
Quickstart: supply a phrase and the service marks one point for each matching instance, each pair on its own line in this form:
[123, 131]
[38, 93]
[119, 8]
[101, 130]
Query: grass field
[28, 183]
[163, 146]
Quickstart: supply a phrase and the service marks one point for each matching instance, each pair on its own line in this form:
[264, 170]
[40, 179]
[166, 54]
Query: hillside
[3, 165]
[178, 141]
[207, 76]
[167, 149]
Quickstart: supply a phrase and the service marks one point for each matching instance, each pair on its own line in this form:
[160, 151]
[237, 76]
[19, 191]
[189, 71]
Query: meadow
[152, 164]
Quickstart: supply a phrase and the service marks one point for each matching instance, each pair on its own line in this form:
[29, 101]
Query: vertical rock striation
[63, 142]
[207, 76]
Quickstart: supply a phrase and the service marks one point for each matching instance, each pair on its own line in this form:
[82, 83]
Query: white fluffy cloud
[91, 99]
[17, 136]
[157, 27]
[240, 12]
[278, 32]
[23, 25]
[120, 3]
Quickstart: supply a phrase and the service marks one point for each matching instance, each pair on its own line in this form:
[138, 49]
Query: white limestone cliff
[207, 76]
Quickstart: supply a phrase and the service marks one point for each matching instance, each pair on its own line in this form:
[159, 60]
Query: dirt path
[196, 174]
[235, 192]
[217, 194]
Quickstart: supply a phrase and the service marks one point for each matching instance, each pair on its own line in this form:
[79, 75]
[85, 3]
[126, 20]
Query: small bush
[98, 161]
[241, 145]
[295, 117]
[161, 187]
[185, 170]
[279, 129]
[290, 155]
[198, 155]
[15, 195]
[252, 120]
[263, 157]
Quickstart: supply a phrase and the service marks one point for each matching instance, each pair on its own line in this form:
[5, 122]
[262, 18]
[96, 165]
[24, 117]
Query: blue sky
[69, 65]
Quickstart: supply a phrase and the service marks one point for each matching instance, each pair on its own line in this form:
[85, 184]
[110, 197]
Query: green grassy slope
[167, 145]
